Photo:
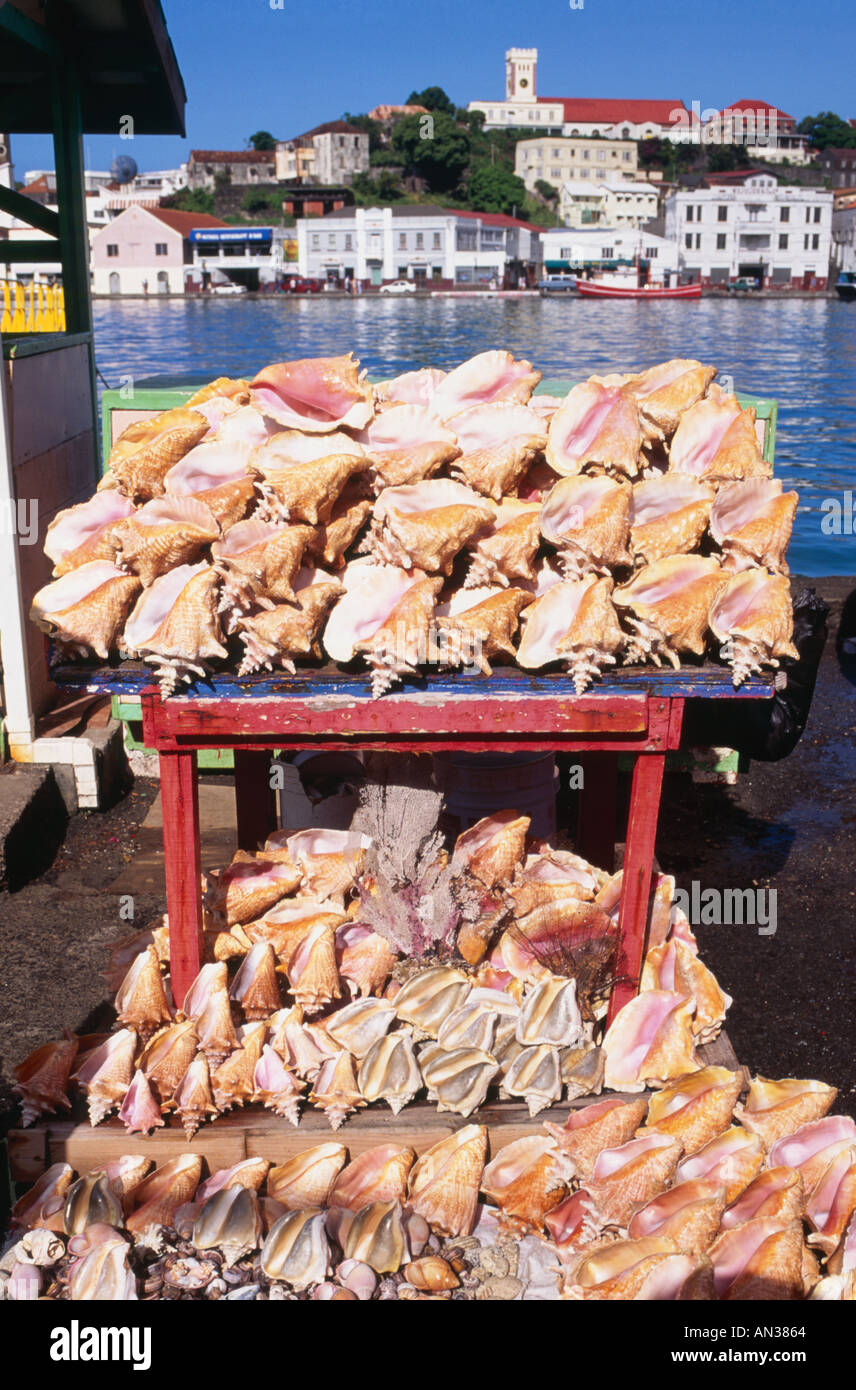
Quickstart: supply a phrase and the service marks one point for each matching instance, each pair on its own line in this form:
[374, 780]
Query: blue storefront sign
[232, 235]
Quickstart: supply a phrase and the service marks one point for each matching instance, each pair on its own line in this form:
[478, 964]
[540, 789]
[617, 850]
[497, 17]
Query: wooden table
[637, 711]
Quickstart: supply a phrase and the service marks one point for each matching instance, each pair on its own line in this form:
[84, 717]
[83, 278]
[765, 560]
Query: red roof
[495, 219]
[185, 222]
[746, 105]
[39, 185]
[732, 176]
[233, 156]
[611, 111]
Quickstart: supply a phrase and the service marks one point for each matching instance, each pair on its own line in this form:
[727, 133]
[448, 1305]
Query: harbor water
[800, 352]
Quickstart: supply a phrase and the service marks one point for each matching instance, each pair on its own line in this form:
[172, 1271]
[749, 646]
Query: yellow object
[31, 308]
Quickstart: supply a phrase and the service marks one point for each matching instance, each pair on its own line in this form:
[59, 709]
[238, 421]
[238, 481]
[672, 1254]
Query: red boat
[595, 289]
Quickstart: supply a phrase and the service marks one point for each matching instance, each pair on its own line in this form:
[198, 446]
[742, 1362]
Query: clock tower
[520, 69]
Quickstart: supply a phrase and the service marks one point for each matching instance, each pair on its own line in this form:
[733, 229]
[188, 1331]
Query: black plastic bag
[768, 730]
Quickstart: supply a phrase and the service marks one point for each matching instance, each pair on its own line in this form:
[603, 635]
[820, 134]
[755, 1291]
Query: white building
[559, 161]
[522, 106]
[427, 244]
[623, 118]
[768, 133]
[750, 226]
[844, 237]
[329, 155]
[569, 249]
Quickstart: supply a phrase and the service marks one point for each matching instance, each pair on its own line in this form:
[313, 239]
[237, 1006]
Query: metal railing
[31, 308]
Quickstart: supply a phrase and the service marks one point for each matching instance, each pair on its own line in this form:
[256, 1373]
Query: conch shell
[751, 522]
[144, 452]
[668, 516]
[276, 1086]
[688, 1214]
[760, 1260]
[625, 1179]
[774, 1109]
[80, 534]
[596, 425]
[166, 532]
[715, 439]
[430, 996]
[160, 1195]
[650, 1042]
[445, 1181]
[675, 966]
[41, 1080]
[279, 634]
[389, 1072]
[140, 1112]
[216, 473]
[315, 395]
[574, 622]
[506, 550]
[665, 391]
[776, 1192]
[175, 624]
[493, 847]
[141, 1002]
[534, 1075]
[250, 886]
[303, 491]
[193, 1099]
[478, 624]
[489, 376]
[378, 1175]
[752, 617]
[259, 561]
[522, 1181]
[497, 444]
[669, 603]
[229, 1221]
[307, 1180]
[105, 1073]
[297, 1251]
[587, 520]
[423, 526]
[255, 986]
[696, 1108]
[407, 443]
[550, 1014]
[86, 609]
[335, 1089]
[604, 1125]
[384, 614]
[166, 1057]
[733, 1157]
[649, 1268]
[458, 1081]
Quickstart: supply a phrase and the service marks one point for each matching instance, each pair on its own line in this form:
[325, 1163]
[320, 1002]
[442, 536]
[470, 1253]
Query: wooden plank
[636, 885]
[258, 1133]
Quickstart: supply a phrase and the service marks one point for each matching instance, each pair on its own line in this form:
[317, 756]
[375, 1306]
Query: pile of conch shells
[305, 1001]
[691, 1196]
[440, 519]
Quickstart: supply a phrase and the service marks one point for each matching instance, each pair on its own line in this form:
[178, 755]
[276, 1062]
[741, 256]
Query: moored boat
[597, 289]
[845, 285]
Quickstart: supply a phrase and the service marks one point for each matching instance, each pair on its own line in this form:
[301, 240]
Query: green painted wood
[24, 30]
[29, 252]
[29, 211]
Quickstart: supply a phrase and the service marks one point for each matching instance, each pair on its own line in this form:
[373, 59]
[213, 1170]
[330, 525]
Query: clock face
[524, 81]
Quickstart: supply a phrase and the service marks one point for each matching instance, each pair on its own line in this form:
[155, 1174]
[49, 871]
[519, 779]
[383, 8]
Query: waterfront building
[559, 160]
[329, 154]
[621, 203]
[575, 249]
[205, 167]
[621, 118]
[146, 251]
[749, 225]
[844, 236]
[427, 244]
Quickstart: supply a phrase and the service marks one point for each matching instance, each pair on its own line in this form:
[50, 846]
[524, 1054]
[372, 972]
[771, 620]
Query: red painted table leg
[255, 800]
[180, 802]
[596, 814]
[636, 887]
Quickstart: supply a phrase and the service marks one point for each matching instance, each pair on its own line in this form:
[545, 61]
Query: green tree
[190, 200]
[433, 99]
[372, 128]
[255, 200]
[495, 188]
[439, 157]
[376, 192]
[722, 158]
[261, 140]
[548, 192]
[827, 129]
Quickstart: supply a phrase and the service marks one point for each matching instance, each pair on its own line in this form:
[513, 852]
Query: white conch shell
[87, 607]
[550, 1014]
[389, 1072]
[430, 996]
[534, 1075]
[458, 1080]
[175, 624]
[358, 1026]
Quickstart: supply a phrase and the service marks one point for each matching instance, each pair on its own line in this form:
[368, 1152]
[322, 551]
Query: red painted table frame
[604, 724]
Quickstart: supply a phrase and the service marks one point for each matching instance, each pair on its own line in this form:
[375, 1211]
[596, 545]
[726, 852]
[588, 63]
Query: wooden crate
[257, 1133]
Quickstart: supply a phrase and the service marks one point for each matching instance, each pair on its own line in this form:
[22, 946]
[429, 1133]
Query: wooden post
[255, 802]
[636, 885]
[182, 867]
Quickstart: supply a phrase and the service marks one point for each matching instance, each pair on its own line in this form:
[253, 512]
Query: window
[817, 213]
[555, 173]
[402, 272]
[808, 214]
[689, 214]
[316, 242]
[606, 253]
[436, 272]
[419, 241]
[698, 213]
[815, 242]
[805, 242]
[784, 214]
[783, 241]
[688, 241]
[331, 240]
[349, 242]
[402, 240]
[601, 154]
[160, 248]
[112, 249]
[586, 154]
[722, 213]
[436, 243]
[557, 154]
[720, 241]
[627, 156]
[698, 240]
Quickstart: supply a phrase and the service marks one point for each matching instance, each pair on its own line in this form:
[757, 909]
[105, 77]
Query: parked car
[558, 282]
[742, 284]
[301, 284]
[228, 287]
[399, 287]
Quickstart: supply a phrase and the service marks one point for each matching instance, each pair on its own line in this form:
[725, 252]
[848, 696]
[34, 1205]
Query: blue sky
[248, 66]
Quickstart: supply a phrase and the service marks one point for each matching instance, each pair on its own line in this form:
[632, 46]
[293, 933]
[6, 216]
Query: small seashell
[431, 1273]
[496, 1289]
